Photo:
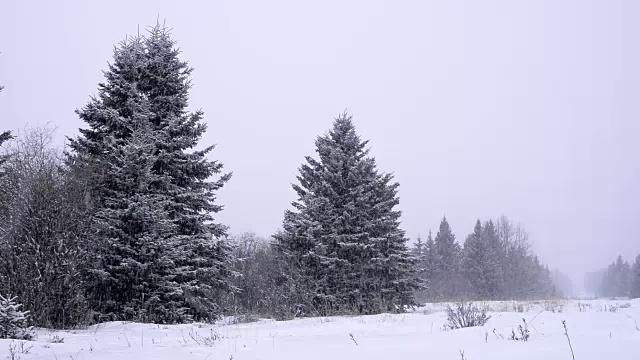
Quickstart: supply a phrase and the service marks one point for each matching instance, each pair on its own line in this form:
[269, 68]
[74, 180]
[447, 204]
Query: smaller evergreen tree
[446, 268]
[344, 235]
[418, 250]
[430, 258]
[473, 261]
[13, 321]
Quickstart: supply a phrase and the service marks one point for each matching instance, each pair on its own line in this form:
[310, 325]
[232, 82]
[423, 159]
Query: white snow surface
[598, 329]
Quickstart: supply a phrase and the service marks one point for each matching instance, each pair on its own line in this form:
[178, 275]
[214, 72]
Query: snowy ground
[599, 329]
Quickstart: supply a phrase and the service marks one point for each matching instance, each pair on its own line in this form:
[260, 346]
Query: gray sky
[481, 108]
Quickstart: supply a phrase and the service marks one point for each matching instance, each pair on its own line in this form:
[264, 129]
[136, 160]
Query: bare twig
[566, 333]
[353, 339]
[531, 321]
[462, 355]
[634, 321]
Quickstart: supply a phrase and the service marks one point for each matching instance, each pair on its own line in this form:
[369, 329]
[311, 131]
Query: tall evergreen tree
[344, 232]
[495, 256]
[483, 261]
[424, 253]
[430, 259]
[141, 111]
[203, 260]
[446, 284]
[418, 250]
[473, 261]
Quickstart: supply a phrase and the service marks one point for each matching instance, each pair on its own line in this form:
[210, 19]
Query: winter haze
[480, 108]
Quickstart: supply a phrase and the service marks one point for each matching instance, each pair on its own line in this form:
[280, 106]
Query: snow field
[598, 329]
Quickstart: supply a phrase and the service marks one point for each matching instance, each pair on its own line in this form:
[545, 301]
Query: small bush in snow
[16, 349]
[55, 339]
[465, 315]
[201, 340]
[13, 322]
[523, 332]
[553, 306]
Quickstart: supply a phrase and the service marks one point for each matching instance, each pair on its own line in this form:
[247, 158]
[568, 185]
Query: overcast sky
[525, 108]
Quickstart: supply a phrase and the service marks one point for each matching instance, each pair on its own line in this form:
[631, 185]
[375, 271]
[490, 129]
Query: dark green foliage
[448, 282]
[160, 256]
[483, 262]
[344, 233]
[13, 321]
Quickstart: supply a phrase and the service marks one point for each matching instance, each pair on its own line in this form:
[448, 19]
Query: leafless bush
[269, 286]
[583, 307]
[16, 349]
[464, 315]
[244, 319]
[40, 239]
[201, 340]
[553, 307]
[523, 332]
[611, 308]
[56, 339]
[13, 352]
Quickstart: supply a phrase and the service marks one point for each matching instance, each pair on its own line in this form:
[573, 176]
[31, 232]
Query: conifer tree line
[619, 279]
[121, 225]
[495, 262]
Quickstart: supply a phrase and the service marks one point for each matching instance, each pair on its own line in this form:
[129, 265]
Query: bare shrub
[201, 340]
[553, 307]
[16, 349]
[523, 332]
[56, 339]
[464, 315]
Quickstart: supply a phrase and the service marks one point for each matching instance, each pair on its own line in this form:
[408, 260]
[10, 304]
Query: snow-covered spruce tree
[203, 259]
[425, 257]
[148, 83]
[482, 262]
[473, 262]
[13, 321]
[447, 279]
[138, 271]
[344, 233]
[494, 261]
[418, 251]
[430, 262]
